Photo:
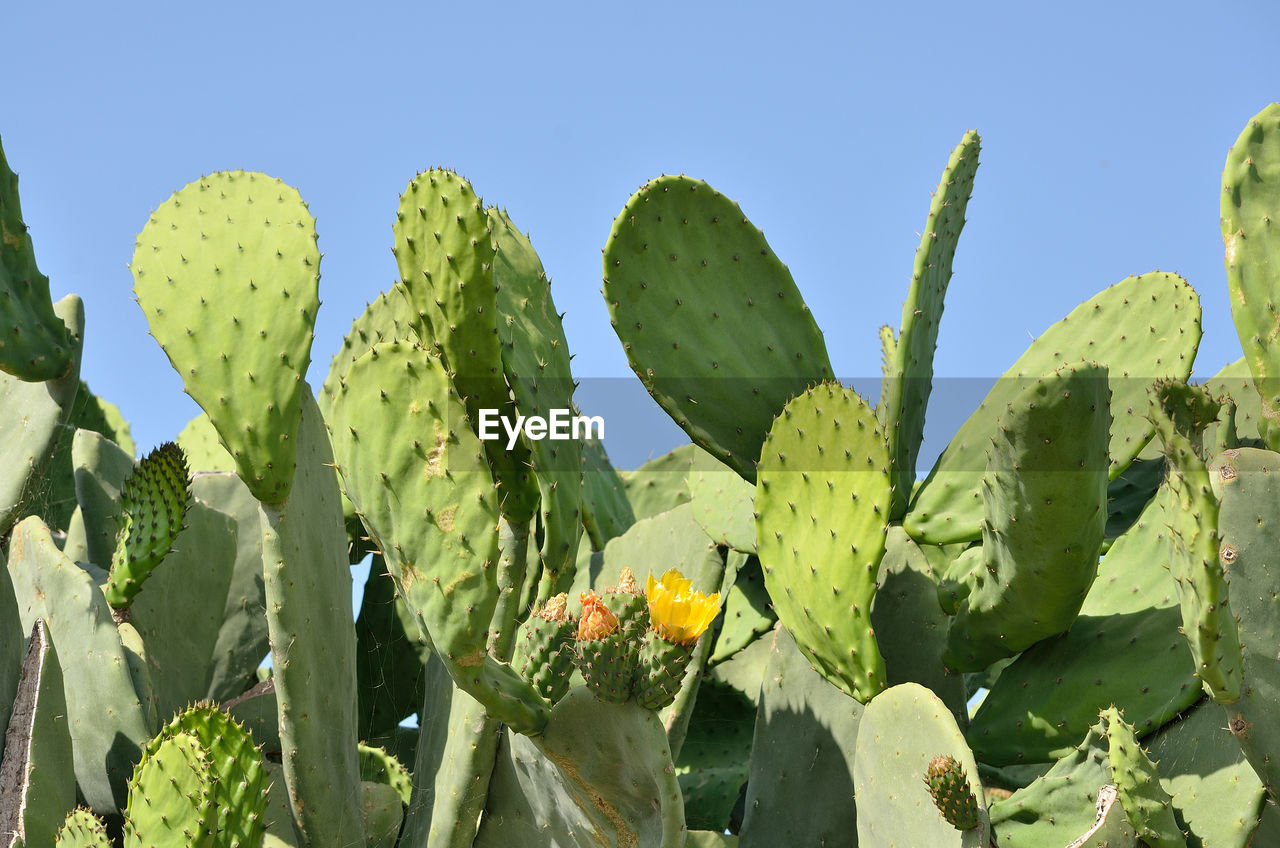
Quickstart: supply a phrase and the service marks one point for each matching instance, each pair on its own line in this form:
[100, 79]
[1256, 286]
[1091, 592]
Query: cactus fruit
[605, 651]
[544, 648]
[949, 787]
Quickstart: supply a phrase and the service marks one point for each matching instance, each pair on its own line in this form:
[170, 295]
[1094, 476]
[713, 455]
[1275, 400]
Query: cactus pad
[153, 505]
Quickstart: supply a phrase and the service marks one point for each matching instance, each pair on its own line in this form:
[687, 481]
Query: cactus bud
[949, 787]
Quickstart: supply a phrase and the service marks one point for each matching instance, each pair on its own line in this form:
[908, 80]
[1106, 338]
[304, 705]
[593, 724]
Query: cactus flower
[679, 614]
[596, 622]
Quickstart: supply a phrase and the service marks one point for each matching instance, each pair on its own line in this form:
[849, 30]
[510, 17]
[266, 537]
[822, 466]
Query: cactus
[776, 630]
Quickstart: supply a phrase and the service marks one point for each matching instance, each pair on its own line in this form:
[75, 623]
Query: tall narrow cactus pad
[1250, 198]
[106, 719]
[1180, 414]
[822, 505]
[153, 506]
[37, 780]
[535, 359]
[1141, 329]
[227, 272]
[909, 375]
[902, 732]
[396, 418]
[1248, 483]
[34, 344]
[710, 318]
[800, 791]
[171, 796]
[313, 641]
[600, 774]
[29, 418]
[1045, 502]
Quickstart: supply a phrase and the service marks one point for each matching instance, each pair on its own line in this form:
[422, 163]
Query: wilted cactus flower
[679, 614]
[596, 621]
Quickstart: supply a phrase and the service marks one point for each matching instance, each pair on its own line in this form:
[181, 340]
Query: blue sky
[1104, 133]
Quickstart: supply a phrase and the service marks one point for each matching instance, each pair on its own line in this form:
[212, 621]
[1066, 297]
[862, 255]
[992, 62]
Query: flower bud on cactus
[949, 787]
[628, 603]
[543, 652]
[679, 616]
[605, 653]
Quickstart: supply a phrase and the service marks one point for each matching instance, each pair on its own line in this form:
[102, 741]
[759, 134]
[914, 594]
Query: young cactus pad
[153, 504]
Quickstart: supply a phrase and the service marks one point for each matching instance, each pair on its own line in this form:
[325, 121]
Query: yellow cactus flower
[596, 622]
[679, 614]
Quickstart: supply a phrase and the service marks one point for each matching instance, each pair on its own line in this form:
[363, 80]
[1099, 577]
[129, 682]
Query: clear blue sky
[1104, 129]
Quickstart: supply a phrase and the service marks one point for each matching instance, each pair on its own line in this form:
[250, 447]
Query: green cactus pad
[715, 758]
[748, 613]
[601, 774]
[606, 512]
[199, 441]
[1235, 382]
[710, 318]
[238, 778]
[396, 418]
[1250, 197]
[227, 272]
[34, 343]
[822, 505]
[535, 359]
[390, 655]
[911, 630]
[29, 418]
[313, 640]
[382, 814]
[1045, 503]
[106, 719]
[800, 790]
[153, 505]
[378, 766]
[902, 731]
[725, 506]
[82, 829]
[37, 779]
[662, 483]
[1248, 483]
[909, 372]
[171, 796]
[1180, 415]
[1141, 329]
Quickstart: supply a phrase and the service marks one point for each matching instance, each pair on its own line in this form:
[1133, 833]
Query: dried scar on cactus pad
[679, 614]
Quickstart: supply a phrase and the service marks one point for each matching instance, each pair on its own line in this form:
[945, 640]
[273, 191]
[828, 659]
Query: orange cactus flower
[596, 622]
[679, 614]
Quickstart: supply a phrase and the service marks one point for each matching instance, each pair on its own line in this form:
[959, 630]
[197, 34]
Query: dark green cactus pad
[171, 796]
[396, 418]
[1048, 698]
[911, 630]
[535, 359]
[748, 613]
[37, 779]
[1250, 197]
[662, 483]
[544, 649]
[725, 506]
[153, 505]
[238, 778]
[1180, 414]
[12, 649]
[30, 419]
[908, 377]
[106, 718]
[313, 645]
[606, 512]
[227, 272]
[1136, 346]
[660, 669]
[800, 790]
[390, 655]
[715, 759]
[1130, 493]
[34, 343]
[82, 829]
[902, 731]
[822, 505]
[382, 813]
[1248, 483]
[710, 318]
[1216, 795]
[1044, 499]
[1107, 770]
[600, 774]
